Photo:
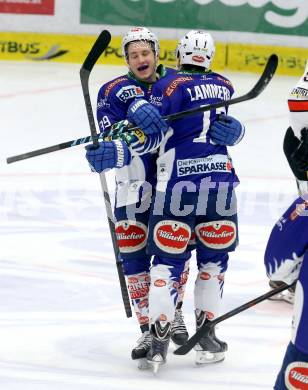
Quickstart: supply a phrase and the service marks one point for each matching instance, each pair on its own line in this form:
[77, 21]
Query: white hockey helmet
[196, 48]
[298, 104]
[140, 34]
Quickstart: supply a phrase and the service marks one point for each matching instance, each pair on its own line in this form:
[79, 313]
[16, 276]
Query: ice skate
[139, 352]
[179, 334]
[160, 333]
[209, 349]
[285, 296]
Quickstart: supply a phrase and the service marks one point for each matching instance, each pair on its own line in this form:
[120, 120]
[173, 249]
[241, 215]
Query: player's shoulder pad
[122, 89]
[113, 85]
[222, 79]
[170, 71]
[174, 81]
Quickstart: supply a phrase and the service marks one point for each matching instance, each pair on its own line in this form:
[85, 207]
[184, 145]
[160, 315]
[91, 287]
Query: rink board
[72, 48]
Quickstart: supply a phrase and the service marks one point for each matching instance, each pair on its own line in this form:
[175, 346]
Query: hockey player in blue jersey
[286, 259]
[140, 49]
[286, 255]
[195, 172]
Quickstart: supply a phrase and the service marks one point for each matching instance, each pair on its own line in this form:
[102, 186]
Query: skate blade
[156, 363]
[288, 298]
[206, 357]
[143, 364]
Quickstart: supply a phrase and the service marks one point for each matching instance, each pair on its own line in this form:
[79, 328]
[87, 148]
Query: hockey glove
[146, 116]
[117, 129]
[226, 130]
[121, 131]
[108, 155]
[300, 155]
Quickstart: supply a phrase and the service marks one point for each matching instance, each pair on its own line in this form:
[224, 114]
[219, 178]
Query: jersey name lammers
[209, 91]
[214, 163]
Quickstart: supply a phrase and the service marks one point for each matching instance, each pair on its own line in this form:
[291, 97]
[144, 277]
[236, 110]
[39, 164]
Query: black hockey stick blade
[97, 49]
[265, 78]
[99, 46]
[208, 325]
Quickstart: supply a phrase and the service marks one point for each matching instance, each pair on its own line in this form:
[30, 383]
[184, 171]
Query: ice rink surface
[62, 322]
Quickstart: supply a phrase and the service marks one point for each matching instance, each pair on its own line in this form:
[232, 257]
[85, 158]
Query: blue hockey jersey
[113, 101]
[288, 243]
[186, 153]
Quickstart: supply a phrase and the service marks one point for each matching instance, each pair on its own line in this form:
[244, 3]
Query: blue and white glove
[226, 130]
[147, 117]
[117, 130]
[108, 155]
[121, 131]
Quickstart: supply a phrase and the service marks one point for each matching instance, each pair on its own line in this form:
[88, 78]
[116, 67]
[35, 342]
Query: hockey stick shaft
[267, 75]
[205, 328]
[263, 81]
[99, 46]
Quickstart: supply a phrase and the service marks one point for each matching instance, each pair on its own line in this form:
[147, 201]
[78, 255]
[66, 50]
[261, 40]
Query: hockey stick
[263, 81]
[99, 46]
[208, 325]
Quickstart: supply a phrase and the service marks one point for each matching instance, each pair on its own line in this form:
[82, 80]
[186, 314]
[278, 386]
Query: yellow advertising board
[252, 58]
[16, 46]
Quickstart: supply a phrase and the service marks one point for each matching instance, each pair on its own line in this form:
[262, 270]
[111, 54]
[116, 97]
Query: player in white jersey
[295, 147]
[286, 255]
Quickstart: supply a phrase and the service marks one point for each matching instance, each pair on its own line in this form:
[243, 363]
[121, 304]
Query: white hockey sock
[208, 289]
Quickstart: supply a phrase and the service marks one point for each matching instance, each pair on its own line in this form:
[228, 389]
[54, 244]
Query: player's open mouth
[142, 67]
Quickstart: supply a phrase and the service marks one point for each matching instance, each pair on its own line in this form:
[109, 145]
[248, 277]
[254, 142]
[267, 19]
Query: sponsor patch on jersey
[299, 209]
[129, 92]
[103, 103]
[299, 93]
[138, 290]
[156, 100]
[143, 320]
[217, 234]
[201, 165]
[131, 235]
[172, 236]
[175, 83]
[143, 303]
[132, 279]
[226, 81]
[113, 83]
[296, 376]
[205, 276]
[160, 283]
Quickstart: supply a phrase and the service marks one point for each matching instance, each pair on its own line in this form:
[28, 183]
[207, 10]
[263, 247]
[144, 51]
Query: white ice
[62, 322]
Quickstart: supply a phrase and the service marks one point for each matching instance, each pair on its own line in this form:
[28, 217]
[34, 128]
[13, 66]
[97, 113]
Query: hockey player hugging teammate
[194, 191]
[140, 50]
